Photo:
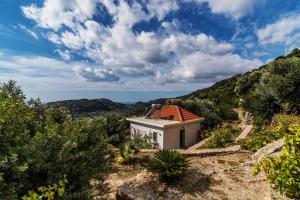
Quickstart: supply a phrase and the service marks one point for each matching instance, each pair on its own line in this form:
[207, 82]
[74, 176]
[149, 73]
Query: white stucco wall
[147, 129]
[169, 137]
[172, 135]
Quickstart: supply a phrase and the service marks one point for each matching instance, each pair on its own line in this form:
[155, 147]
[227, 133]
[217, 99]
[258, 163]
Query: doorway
[182, 138]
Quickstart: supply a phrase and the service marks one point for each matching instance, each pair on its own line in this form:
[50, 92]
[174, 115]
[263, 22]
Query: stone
[247, 131]
[269, 149]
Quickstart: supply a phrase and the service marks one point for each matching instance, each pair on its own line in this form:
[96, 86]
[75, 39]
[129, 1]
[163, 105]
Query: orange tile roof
[175, 113]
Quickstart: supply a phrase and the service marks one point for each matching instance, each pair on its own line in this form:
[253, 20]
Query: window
[154, 135]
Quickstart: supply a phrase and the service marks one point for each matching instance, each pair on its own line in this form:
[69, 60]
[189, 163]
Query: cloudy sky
[138, 50]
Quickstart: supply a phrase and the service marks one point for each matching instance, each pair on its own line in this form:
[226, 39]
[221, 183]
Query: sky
[130, 51]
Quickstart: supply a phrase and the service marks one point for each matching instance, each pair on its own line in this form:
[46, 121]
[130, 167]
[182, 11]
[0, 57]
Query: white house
[170, 126]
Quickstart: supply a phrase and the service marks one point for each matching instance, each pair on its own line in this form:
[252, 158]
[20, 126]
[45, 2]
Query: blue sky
[138, 50]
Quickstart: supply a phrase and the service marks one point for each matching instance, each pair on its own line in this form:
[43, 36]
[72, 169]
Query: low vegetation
[265, 134]
[127, 154]
[283, 172]
[168, 164]
[221, 136]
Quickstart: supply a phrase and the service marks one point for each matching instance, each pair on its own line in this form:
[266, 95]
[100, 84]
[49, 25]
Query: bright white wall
[147, 129]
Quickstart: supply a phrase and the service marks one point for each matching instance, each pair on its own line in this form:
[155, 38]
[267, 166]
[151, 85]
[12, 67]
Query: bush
[220, 137]
[264, 135]
[52, 192]
[168, 164]
[40, 146]
[127, 154]
[145, 141]
[283, 172]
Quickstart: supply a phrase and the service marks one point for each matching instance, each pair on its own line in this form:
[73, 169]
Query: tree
[39, 146]
[12, 89]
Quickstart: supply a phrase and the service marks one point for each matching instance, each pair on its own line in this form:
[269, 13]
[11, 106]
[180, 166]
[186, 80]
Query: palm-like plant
[168, 164]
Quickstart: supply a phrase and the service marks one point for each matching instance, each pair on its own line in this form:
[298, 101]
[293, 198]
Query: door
[182, 138]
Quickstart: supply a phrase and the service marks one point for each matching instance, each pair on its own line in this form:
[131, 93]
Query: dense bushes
[273, 88]
[221, 136]
[283, 172]
[168, 164]
[40, 146]
[264, 135]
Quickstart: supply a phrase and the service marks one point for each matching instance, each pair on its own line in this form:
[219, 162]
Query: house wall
[147, 129]
[172, 135]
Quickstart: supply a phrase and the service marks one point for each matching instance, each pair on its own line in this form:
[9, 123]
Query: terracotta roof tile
[175, 113]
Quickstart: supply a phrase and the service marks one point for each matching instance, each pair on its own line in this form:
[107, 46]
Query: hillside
[270, 89]
[102, 106]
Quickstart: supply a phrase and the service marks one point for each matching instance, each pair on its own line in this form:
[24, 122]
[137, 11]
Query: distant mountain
[101, 106]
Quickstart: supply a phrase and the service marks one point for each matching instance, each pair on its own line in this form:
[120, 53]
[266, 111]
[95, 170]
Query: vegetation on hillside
[266, 134]
[221, 136]
[39, 146]
[283, 172]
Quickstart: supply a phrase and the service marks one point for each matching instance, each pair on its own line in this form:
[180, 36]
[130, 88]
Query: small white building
[169, 126]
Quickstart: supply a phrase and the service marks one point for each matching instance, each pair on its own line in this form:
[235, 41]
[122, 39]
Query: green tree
[39, 146]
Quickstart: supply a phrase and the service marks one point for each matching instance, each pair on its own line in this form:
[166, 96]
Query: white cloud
[233, 8]
[203, 67]
[96, 75]
[166, 56]
[66, 55]
[39, 66]
[32, 33]
[56, 13]
[160, 8]
[286, 30]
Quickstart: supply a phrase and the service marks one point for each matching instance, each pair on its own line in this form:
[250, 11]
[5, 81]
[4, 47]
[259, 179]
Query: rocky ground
[213, 177]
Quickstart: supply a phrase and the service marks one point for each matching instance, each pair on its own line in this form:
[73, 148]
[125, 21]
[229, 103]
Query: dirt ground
[215, 177]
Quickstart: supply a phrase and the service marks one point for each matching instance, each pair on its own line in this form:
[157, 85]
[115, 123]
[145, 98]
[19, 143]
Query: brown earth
[213, 177]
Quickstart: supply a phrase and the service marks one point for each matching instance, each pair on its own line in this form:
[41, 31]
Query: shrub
[144, 141]
[220, 137]
[283, 172]
[168, 164]
[264, 135]
[52, 192]
[40, 145]
[127, 154]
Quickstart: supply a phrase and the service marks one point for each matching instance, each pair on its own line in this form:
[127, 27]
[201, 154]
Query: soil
[215, 177]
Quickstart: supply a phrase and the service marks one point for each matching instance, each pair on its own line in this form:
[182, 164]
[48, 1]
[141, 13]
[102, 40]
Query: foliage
[283, 172]
[144, 141]
[221, 136]
[127, 154]
[203, 108]
[40, 145]
[264, 135]
[168, 164]
[273, 88]
[52, 192]
[113, 126]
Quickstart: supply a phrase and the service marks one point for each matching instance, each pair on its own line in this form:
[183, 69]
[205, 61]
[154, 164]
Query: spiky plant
[168, 164]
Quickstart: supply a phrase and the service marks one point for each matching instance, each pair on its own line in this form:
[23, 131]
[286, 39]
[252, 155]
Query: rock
[247, 131]
[246, 120]
[269, 149]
